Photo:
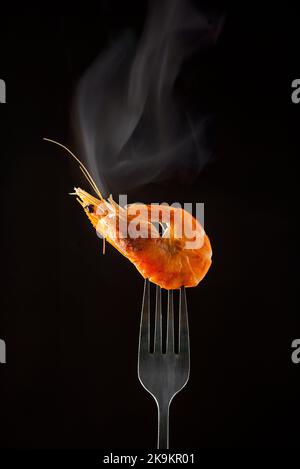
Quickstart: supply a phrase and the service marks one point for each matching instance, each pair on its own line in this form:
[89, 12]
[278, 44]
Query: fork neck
[163, 426]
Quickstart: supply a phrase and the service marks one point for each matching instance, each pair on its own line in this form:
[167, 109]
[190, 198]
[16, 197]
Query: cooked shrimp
[180, 256]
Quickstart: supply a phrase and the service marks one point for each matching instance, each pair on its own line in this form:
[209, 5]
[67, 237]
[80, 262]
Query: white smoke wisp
[128, 124]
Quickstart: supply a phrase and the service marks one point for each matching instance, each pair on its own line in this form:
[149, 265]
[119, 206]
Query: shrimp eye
[90, 208]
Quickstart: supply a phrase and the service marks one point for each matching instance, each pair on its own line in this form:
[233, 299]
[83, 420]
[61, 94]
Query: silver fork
[163, 375]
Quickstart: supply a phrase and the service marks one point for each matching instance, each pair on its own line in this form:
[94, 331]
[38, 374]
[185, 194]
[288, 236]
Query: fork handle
[163, 426]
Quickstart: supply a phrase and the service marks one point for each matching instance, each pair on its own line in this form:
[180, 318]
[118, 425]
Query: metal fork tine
[145, 320]
[170, 323]
[158, 322]
[184, 341]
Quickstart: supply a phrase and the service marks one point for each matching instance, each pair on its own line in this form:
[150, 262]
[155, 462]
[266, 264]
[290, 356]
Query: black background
[70, 316]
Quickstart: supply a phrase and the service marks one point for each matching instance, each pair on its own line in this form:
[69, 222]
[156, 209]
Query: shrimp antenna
[81, 165]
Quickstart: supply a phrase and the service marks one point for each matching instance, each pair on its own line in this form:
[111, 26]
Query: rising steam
[130, 128]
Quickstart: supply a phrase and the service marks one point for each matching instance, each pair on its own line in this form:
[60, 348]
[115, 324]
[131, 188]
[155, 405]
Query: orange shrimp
[180, 256]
